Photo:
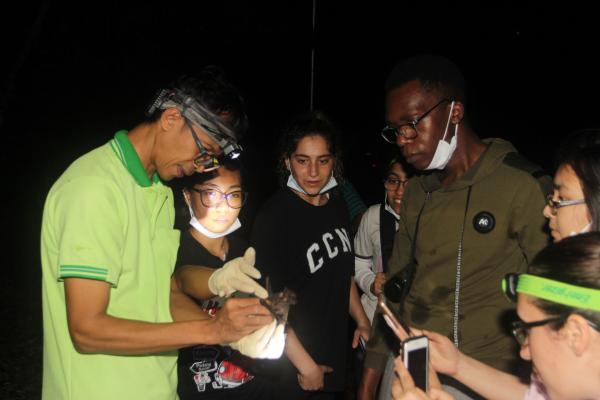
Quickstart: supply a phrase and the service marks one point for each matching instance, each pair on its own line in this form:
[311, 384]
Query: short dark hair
[313, 123]
[408, 169]
[433, 72]
[574, 260]
[211, 87]
[581, 151]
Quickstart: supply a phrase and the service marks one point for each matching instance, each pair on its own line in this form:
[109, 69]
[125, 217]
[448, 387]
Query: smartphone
[396, 323]
[415, 354]
[363, 345]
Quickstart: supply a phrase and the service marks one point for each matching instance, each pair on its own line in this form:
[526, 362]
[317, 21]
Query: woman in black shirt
[213, 371]
[302, 242]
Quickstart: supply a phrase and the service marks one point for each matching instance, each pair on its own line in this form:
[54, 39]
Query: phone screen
[417, 366]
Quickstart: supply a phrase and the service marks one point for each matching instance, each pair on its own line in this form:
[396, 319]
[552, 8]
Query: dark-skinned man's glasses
[409, 130]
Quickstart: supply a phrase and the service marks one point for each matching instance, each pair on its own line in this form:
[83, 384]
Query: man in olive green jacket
[481, 217]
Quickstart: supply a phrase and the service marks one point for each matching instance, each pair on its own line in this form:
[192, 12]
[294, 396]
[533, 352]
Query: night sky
[72, 75]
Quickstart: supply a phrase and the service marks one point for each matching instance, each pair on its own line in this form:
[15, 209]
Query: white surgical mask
[585, 229]
[444, 150]
[293, 184]
[205, 231]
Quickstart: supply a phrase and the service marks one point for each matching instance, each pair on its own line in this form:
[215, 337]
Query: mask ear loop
[448, 122]
[287, 163]
[188, 202]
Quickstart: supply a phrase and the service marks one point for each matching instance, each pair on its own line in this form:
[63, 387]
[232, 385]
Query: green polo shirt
[105, 220]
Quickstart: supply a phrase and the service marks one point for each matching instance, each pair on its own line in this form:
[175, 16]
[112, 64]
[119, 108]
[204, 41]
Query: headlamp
[200, 115]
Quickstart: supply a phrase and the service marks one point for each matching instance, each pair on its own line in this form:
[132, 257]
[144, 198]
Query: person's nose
[197, 168]
[400, 189]
[401, 140]
[524, 351]
[313, 169]
[222, 206]
[548, 212]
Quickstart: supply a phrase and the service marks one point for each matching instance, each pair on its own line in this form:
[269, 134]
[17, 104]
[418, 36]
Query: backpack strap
[387, 231]
[516, 160]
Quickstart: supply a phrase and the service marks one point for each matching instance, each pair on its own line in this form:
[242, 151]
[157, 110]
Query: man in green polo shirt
[112, 318]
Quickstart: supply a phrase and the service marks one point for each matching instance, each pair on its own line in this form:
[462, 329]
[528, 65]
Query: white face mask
[203, 230]
[444, 150]
[293, 184]
[585, 229]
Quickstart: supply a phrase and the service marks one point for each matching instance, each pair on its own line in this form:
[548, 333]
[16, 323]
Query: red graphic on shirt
[230, 375]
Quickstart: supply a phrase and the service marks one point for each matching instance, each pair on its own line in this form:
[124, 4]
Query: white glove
[266, 342]
[236, 275]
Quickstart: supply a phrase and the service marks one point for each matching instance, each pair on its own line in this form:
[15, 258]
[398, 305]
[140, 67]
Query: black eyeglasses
[205, 159]
[214, 197]
[409, 130]
[521, 329]
[394, 183]
[555, 205]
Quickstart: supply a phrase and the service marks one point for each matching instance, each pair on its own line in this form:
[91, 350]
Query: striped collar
[130, 159]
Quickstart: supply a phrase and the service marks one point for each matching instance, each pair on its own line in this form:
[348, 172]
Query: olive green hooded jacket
[507, 194]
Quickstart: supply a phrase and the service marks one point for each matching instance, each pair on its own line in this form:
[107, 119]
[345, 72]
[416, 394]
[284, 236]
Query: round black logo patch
[484, 222]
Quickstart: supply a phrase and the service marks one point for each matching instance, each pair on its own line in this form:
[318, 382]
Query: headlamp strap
[559, 292]
[157, 102]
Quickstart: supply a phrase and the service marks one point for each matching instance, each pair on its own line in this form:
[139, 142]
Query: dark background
[73, 74]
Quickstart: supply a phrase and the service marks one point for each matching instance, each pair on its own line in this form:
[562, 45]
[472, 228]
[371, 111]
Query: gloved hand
[236, 275]
[266, 342]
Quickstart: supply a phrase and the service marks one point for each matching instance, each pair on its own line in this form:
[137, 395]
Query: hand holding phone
[396, 324]
[362, 344]
[415, 354]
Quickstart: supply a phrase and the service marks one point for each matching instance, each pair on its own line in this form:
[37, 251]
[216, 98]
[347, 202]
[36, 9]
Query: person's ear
[287, 164]
[169, 118]
[458, 112]
[578, 334]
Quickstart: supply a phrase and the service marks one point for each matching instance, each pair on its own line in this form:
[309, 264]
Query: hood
[494, 155]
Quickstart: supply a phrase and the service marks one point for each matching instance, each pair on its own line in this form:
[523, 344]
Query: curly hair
[313, 123]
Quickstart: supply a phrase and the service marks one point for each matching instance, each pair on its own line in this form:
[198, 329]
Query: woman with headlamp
[209, 371]
[558, 304]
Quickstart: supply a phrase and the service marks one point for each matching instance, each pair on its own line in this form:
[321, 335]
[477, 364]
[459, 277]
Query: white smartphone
[415, 354]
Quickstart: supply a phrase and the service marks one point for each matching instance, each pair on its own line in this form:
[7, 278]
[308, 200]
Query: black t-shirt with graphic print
[212, 371]
[308, 249]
